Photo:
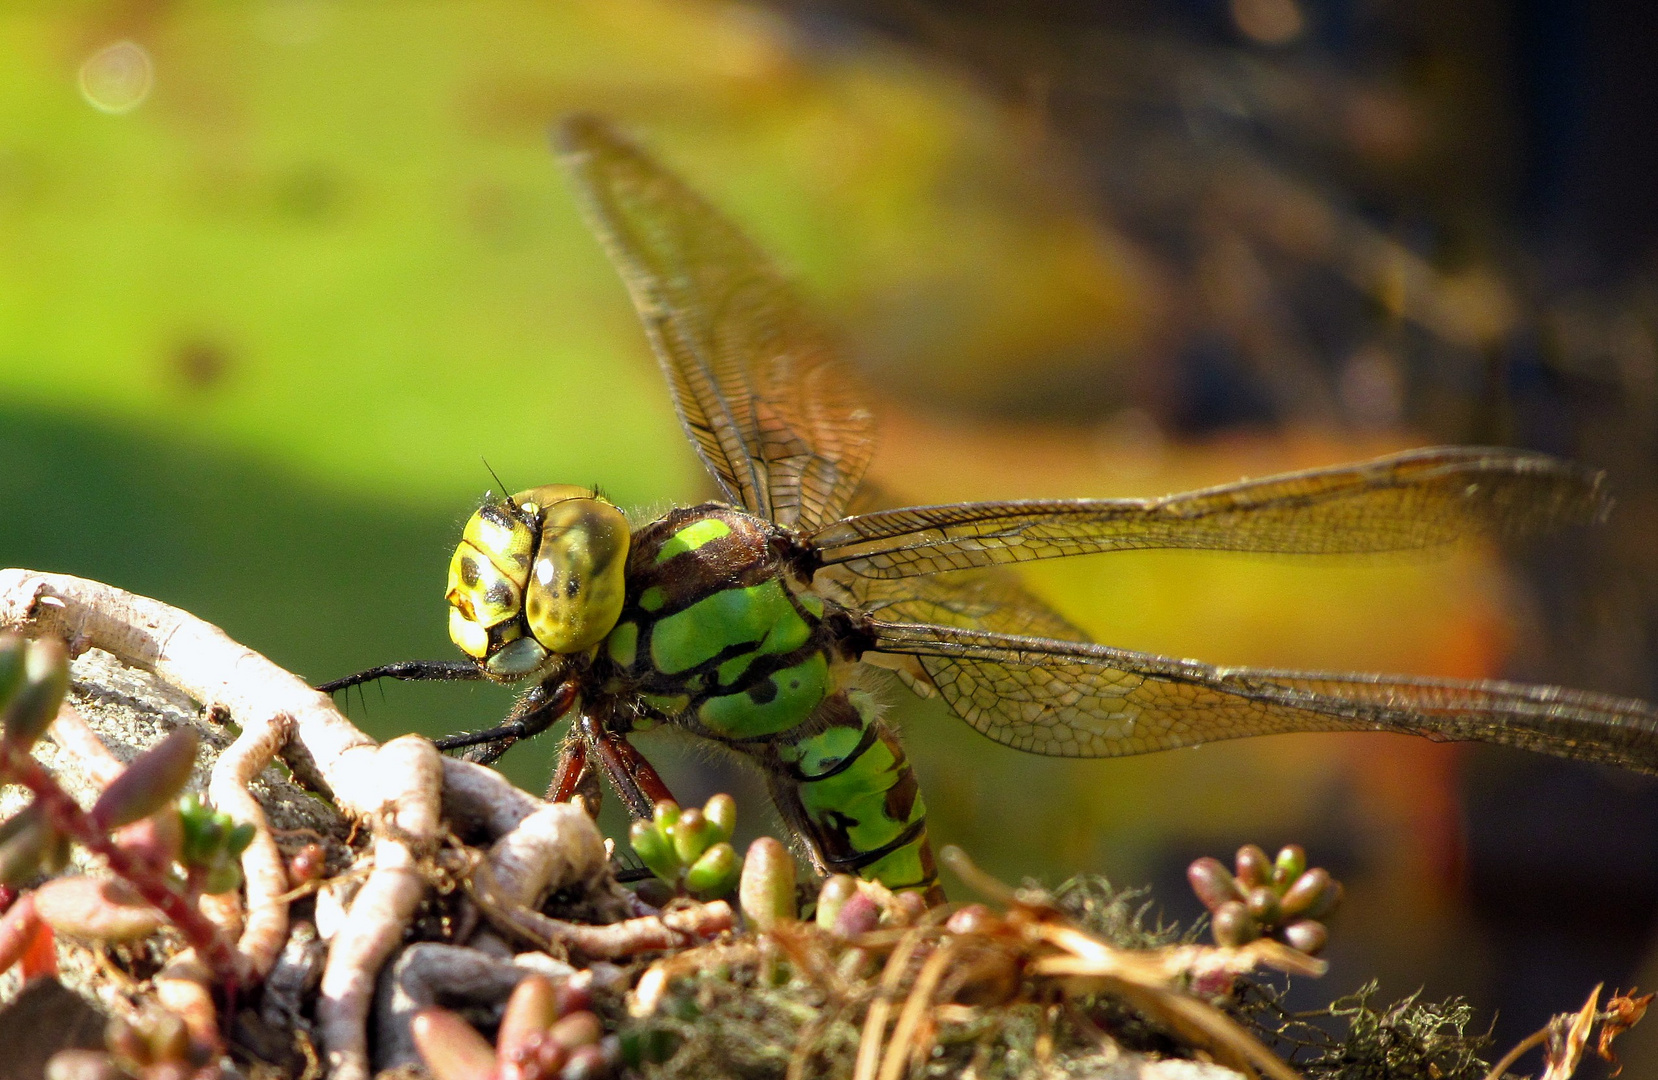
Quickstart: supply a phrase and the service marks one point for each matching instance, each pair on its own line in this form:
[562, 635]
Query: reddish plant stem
[17, 929]
[68, 818]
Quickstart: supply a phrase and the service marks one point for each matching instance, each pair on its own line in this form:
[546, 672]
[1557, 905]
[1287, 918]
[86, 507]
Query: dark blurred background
[275, 276]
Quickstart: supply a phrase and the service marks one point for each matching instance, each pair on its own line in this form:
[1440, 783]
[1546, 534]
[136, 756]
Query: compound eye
[575, 593]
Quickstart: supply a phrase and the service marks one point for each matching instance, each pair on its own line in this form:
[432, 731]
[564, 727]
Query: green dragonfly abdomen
[719, 637]
[858, 795]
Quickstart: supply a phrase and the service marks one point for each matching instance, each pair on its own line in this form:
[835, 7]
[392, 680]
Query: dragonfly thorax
[537, 576]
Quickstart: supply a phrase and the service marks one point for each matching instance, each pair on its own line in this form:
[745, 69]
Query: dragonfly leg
[574, 778]
[634, 779]
[410, 671]
[534, 713]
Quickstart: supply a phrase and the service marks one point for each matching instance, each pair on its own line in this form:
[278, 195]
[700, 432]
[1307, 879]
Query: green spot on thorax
[667, 704]
[692, 537]
[796, 691]
[623, 644]
[760, 616]
[732, 670]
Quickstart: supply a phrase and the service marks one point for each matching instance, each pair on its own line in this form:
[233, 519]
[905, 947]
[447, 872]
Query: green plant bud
[107, 910]
[1233, 926]
[693, 834]
[766, 891]
[714, 874]
[654, 850]
[1263, 906]
[1307, 935]
[201, 832]
[26, 840]
[1212, 882]
[12, 650]
[835, 892]
[1308, 892]
[35, 704]
[722, 811]
[1291, 862]
[149, 783]
[222, 876]
[239, 837]
[665, 813]
[1253, 867]
[216, 839]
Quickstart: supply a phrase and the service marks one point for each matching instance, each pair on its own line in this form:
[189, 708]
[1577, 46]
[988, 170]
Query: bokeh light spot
[117, 78]
[1270, 22]
[200, 363]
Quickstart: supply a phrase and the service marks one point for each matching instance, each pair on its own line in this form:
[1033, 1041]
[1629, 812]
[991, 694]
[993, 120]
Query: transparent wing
[1073, 699]
[759, 387]
[993, 600]
[1416, 499]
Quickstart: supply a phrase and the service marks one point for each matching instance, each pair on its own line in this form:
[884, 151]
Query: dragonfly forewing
[759, 385]
[1418, 499]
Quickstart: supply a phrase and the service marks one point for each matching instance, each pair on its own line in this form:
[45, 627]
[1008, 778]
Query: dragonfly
[751, 621]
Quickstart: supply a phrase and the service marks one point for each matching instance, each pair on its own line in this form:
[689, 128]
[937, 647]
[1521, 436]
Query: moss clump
[796, 1006]
[731, 1024]
[1353, 1038]
[1124, 917]
[768, 1021]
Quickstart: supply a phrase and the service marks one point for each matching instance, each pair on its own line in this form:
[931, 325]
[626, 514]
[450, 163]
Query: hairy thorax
[717, 632]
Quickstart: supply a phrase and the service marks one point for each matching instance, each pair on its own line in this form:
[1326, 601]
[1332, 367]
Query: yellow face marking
[487, 576]
[472, 638]
[503, 537]
[479, 590]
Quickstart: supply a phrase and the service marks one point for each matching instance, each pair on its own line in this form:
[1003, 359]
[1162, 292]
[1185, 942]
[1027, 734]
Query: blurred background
[276, 277]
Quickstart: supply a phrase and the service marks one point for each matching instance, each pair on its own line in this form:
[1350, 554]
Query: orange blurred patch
[1431, 616]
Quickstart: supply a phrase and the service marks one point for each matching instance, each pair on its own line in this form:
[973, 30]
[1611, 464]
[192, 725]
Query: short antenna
[503, 487]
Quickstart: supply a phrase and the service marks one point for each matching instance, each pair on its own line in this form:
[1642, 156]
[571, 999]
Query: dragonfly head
[536, 577]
